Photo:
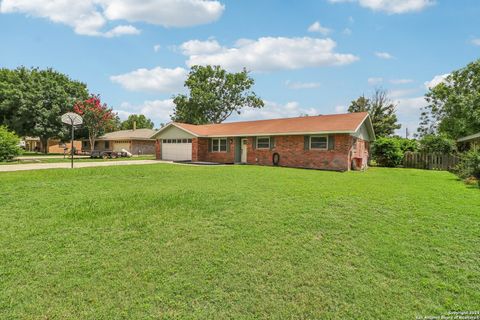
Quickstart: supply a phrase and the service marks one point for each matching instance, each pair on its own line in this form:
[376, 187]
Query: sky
[307, 57]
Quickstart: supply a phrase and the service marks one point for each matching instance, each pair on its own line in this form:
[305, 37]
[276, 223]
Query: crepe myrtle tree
[97, 117]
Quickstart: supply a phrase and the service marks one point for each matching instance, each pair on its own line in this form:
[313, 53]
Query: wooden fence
[429, 161]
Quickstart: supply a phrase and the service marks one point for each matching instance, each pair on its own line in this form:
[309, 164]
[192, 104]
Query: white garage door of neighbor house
[118, 146]
[177, 149]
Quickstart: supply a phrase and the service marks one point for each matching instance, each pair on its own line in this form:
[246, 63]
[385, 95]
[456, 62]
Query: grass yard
[68, 160]
[172, 241]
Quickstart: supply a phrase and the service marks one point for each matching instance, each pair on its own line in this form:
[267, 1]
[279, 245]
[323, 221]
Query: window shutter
[254, 143]
[306, 142]
[210, 145]
[331, 142]
[228, 145]
[272, 143]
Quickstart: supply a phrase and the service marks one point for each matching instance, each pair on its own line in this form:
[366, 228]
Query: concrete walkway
[40, 157]
[63, 165]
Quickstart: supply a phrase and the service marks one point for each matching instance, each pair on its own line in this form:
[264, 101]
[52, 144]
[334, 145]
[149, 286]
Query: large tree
[454, 104]
[32, 101]
[97, 117]
[214, 95]
[382, 112]
[140, 121]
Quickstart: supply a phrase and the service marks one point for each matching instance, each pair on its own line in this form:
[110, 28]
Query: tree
[140, 120]
[214, 95]
[32, 101]
[454, 104]
[97, 117]
[381, 110]
[9, 144]
[437, 143]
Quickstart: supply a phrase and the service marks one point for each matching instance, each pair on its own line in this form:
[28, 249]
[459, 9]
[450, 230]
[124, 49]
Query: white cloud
[384, 55]
[89, 17]
[269, 53]
[302, 85]
[374, 81]
[157, 47]
[401, 93]
[347, 31]
[197, 47]
[273, 110]
[475, 41]
[436, 81]
[157, 110]
[121, 30]
[340, 109]
[392, 6]
[153, 80]
[401, 81]
[317, 27]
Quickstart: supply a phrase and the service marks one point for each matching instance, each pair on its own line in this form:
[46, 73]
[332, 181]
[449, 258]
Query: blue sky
[306, 56]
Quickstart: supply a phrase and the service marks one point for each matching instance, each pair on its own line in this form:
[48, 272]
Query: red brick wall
[291, 151]
[360, 154]
[158, 149]
[200, 147]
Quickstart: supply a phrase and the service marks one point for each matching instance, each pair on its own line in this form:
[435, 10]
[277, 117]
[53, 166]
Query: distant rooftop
[138, 134]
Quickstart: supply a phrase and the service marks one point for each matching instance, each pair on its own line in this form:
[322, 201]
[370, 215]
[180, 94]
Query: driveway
[64, 165]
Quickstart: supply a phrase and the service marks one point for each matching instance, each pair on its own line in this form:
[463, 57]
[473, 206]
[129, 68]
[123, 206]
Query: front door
[244, 150]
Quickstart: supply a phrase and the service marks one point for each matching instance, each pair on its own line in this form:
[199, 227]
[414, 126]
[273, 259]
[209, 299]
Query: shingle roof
[335, 123]
[138, 134]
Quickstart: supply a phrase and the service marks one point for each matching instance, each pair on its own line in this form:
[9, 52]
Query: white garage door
[177, 149]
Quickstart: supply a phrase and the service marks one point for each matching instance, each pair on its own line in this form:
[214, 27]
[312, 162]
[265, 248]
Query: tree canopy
[141, 122]
[381, 110]
[32, 101]
[97, 117]
[454, 104]
[214, 95]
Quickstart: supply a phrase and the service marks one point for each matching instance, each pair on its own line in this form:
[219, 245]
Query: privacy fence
[430, 161]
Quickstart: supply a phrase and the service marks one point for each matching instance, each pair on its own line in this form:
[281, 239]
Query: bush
[437, 144]
[387, 152]
[407, 144]
[9, 147]
[469, 165]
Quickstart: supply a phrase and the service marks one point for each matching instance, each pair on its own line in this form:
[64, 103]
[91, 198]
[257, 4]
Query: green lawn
[172, 241]
[83, 159]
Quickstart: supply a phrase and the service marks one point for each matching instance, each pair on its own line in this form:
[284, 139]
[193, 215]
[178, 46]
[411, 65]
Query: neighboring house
[138, 141]
[332, 142]
[471, 142]
[54, 145]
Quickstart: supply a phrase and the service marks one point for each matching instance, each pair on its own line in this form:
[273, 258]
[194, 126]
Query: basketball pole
[73, 132]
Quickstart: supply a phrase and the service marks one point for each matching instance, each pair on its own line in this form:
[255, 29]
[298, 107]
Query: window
[319, 142]
[107, 144]
[164, 141]
[219, 145]
[263, 143]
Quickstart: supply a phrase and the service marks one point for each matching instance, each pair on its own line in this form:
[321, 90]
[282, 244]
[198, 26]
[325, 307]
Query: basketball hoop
[74, 120]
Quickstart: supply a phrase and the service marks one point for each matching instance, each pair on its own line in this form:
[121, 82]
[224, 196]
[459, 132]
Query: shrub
[437, 144]
[407, 144]
[469, 165]
[9, 147]
[387, 152]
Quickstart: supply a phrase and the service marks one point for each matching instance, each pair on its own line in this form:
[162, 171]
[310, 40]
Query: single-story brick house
[138, 141]
[331, 142]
